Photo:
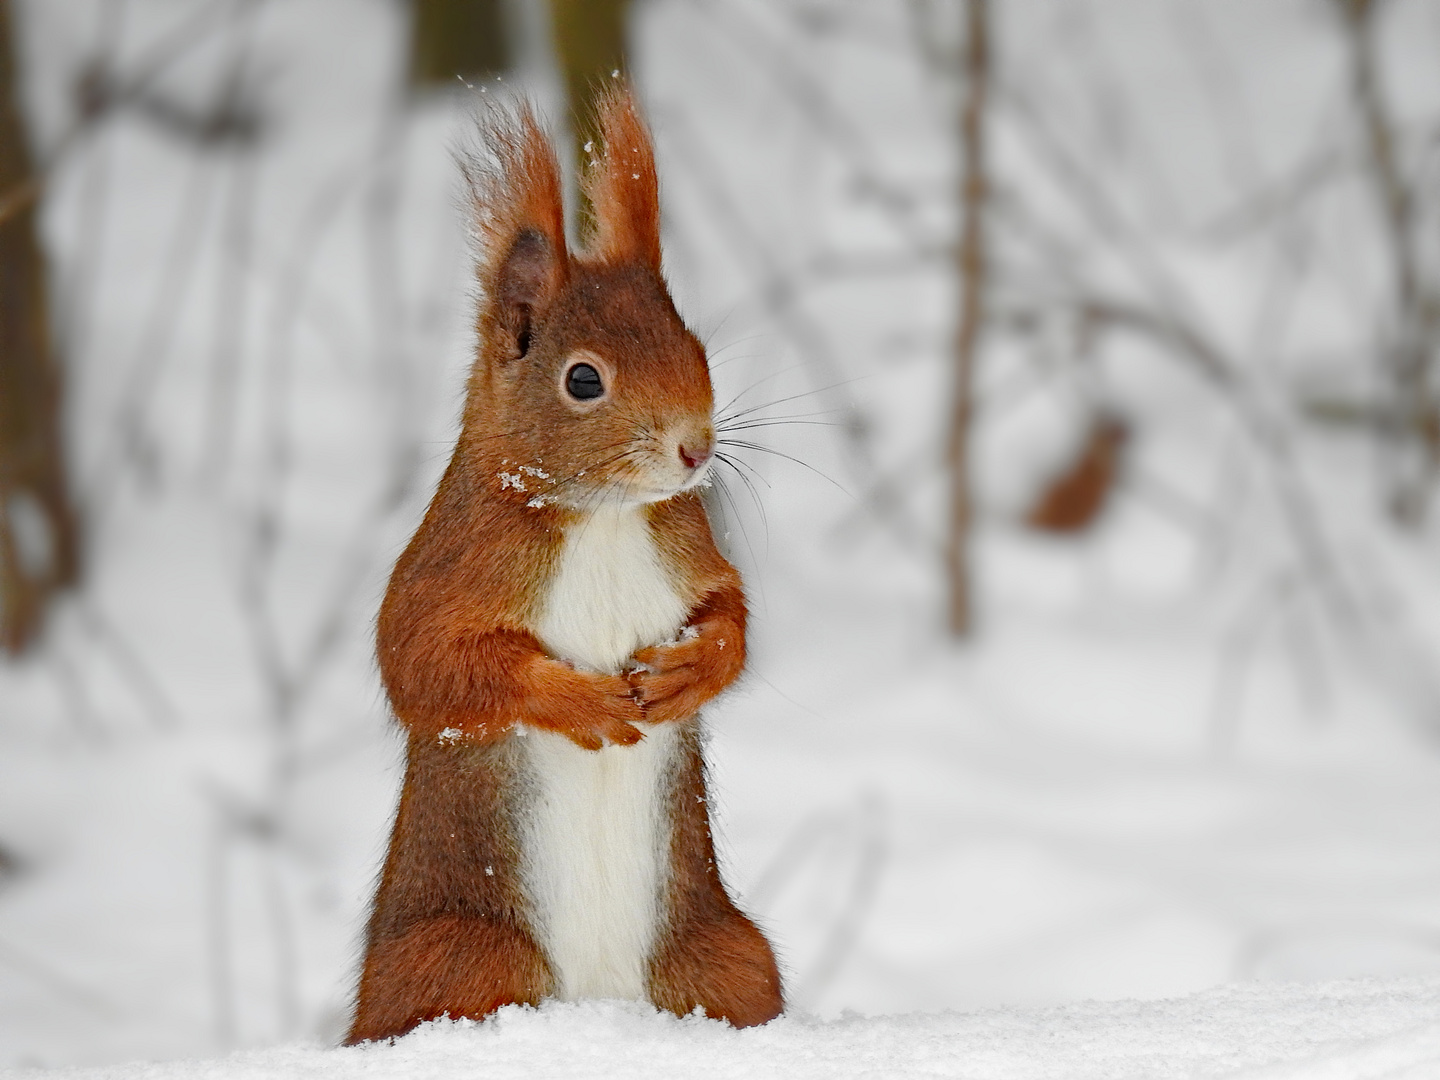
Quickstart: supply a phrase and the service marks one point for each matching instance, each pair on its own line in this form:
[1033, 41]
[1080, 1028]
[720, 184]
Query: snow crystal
[511, 480]
[450, 736]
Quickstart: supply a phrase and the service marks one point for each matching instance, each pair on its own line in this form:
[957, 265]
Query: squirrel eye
[582, 382]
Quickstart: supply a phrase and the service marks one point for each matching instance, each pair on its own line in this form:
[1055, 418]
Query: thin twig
[970, 273]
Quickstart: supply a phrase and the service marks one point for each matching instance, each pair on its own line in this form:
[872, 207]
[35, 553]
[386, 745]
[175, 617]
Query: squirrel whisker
[724, 418]
[739, 519]
[788, 457]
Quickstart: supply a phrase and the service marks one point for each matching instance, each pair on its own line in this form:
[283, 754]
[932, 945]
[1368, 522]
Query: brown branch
[1411, 353]
[805, 92]
[1191, 345]
[38, 543]
[98, 95]
[970, 267]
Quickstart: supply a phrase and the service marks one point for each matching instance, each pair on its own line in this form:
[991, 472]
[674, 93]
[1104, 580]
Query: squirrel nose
[696, 452]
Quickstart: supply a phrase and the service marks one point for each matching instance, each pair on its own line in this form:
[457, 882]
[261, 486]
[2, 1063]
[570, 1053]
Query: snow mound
[1330, 1031]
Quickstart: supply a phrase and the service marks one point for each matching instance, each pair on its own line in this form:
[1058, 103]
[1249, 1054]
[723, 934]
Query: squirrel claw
[612, 733]
[625, 735]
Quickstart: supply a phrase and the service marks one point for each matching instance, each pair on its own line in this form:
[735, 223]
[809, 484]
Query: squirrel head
[587, 386]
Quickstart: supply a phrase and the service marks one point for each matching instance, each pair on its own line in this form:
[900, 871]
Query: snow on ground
[1361, 1030]
[1158, 769]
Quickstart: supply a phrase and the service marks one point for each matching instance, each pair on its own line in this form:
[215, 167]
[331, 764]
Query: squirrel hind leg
[724, 965]
[451, 965]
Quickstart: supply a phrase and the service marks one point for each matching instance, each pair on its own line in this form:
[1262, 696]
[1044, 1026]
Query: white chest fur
[610, 594]
[596, 831]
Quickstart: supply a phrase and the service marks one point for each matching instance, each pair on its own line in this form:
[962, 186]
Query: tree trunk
[590, 44]
[453, 40]
[1412, 346]
[37, 528]
[970, 271]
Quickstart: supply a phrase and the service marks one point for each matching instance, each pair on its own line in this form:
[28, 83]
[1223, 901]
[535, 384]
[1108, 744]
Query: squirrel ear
[621, 185]
[520, 224]
[526, 284]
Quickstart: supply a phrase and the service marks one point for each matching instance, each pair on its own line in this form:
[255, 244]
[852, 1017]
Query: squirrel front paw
[590, 709]
[674, 680]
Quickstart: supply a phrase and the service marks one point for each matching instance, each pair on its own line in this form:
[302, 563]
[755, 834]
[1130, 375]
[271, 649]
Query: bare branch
[970, 270]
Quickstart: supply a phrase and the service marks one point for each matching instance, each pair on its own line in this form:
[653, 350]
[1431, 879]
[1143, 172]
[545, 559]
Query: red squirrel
[552, 630]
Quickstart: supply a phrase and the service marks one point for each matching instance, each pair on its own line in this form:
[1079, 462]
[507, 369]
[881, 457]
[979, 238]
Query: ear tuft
[621, 185]
[519, 218]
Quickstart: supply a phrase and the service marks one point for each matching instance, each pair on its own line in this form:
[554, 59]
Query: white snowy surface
[1360, 1030]
[1160, 767]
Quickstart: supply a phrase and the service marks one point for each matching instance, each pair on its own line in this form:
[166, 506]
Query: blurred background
[1087, 356]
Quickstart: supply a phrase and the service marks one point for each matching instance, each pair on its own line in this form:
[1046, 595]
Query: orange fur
[683, 676]
[445, 936]
[710, 955]
[458, 652]
[622, 187]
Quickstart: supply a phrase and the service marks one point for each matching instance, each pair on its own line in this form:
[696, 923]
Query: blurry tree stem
[457, 40]
[970, 268]
[589, 45]
[37, 527]
[1412, 338]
